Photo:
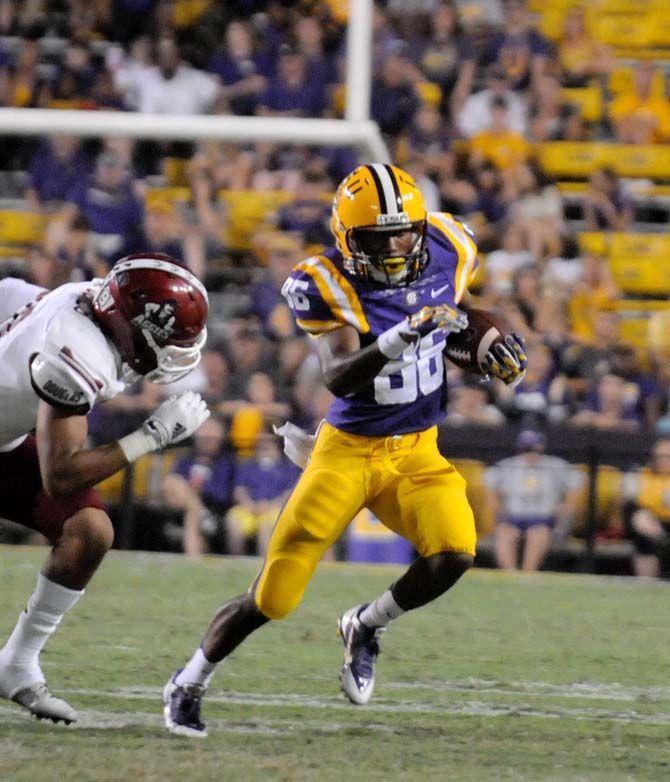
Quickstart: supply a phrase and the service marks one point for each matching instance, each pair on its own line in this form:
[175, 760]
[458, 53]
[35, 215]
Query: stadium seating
[246, 211]
[21, 227]
[580, 159]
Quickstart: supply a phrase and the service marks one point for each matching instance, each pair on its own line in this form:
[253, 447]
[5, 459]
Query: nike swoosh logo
[434, 293]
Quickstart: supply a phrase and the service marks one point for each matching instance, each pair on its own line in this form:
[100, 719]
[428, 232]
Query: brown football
[467, 348]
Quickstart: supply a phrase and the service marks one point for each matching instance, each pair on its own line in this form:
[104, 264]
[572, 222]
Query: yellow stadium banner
[580, 159]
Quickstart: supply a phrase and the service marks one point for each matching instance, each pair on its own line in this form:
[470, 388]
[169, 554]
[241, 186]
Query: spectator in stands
[394, 99]
[530, 494]
[200, 485]
[646, 495]
[642, 387]
[606, 205]
[247, 351]
[552, 324]
[594, 359]
[57, 165]
[448, 57]
[19, 80]
[165, 232]
[490, 197]
[216, 167]
[642, 116]
[537, 395]
[547, 111]
[521, 51]
[502, 264]
[458, 195]
[476, 114]
[608, 407]
[574, 125]
[130, 72]
[261, 486]
[309, 212]
[469, 405]
[500, 145]
[107, 201]
[539, 209]
[594, 291]
[291, 92]
[77, 63]
[76, 257]
[581, 57]
[170, 87]
[308, 32]
[428, 138]
[261, 394]
[282, 252]
[527, 292]
[243, 68]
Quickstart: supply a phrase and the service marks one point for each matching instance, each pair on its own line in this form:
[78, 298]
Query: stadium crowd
[463, 92]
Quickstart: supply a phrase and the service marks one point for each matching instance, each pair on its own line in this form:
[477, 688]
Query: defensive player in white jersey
[60, 353]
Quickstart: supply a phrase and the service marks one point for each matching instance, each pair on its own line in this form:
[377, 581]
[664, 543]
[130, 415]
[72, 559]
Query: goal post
[356, 130]
[364, 134]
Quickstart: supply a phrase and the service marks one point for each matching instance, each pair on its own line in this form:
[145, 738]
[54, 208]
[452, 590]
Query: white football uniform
[50, 349]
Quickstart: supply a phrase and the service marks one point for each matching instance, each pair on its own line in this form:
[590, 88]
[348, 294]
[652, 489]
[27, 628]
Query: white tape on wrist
[391, 343]
[136, 444]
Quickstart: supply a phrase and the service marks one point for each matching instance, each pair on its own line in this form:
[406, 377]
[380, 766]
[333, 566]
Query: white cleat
[42, 704]
[181, 709]
[361, 647]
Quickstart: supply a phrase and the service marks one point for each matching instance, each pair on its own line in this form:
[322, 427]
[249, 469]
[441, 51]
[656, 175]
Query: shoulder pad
[455, 236]
[322, 299]
[76, 362]
[61, 382]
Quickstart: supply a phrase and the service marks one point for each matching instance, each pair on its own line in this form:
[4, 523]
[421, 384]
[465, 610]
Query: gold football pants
[404, 480]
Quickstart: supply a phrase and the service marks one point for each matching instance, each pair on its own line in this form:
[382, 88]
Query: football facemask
[393, 256]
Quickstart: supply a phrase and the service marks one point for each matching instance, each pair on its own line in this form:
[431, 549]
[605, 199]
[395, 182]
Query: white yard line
[111, 720]
[582, 690]
[381, 706]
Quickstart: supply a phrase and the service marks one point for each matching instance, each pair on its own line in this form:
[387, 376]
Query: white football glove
[393, 341]
[174, 420]
[298, 443]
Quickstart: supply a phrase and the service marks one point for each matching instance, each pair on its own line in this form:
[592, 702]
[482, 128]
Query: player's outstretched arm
[347, 368]
[68, 466]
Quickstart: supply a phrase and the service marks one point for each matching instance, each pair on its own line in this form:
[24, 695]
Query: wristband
[390, 342]
[136, 444]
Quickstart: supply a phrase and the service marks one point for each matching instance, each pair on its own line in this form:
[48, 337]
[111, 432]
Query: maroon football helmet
[154, 311]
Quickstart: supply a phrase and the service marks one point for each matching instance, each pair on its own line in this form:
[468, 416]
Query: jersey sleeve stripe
[318, 326]
[66, 355]
[337, 291]
[465, 249]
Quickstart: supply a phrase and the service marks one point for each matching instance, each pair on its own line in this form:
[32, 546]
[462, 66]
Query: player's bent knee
[92, 528]
[280, 589]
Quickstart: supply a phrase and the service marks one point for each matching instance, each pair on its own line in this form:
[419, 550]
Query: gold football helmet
[379, 224]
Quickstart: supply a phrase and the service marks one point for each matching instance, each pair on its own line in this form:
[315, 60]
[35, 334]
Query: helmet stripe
[380, 189]
[155, 263]
[396, 188]
[386, 182]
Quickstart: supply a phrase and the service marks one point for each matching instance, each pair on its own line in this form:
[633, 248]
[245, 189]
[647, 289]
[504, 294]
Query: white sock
[19, 657]
[198, 670]
[381, 611]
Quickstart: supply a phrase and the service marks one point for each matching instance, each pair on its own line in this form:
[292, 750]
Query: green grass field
[546, 677]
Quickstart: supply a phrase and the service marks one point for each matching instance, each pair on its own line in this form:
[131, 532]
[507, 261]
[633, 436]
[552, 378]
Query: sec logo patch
[411, 297]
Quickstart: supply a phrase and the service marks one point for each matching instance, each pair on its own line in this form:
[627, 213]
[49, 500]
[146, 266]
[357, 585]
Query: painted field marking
[383, 706]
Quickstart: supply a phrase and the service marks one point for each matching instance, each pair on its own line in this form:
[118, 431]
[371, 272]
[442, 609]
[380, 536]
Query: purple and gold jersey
[409, 393]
